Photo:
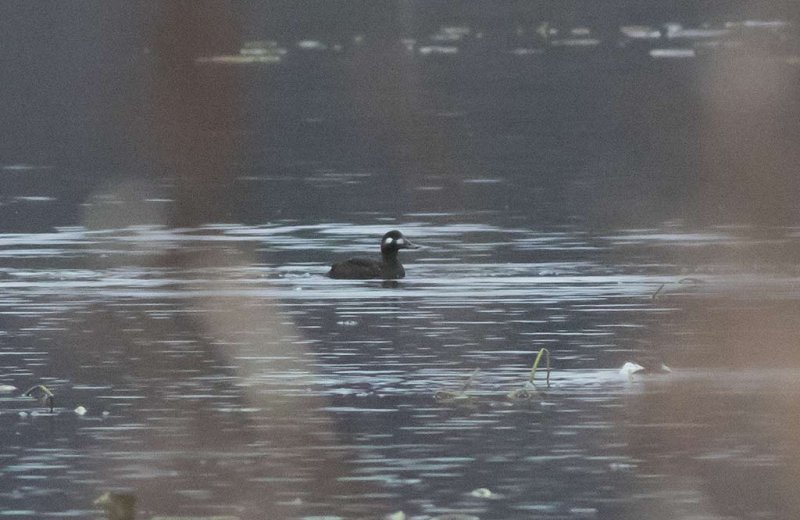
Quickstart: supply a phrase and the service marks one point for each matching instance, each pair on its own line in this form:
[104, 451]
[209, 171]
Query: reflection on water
[223, 373]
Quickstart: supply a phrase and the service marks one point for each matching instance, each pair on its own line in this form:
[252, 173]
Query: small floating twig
[681, 281]
[43, 394]
[470, 380]
[449, 395]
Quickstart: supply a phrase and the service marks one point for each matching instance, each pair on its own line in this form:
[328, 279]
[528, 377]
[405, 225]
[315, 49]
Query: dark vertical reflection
[193, 124]
[748, 152]
[190, 135]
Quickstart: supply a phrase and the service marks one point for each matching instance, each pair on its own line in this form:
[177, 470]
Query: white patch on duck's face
[389, 241]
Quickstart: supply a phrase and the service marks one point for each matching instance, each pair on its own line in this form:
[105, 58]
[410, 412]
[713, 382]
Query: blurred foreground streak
[235, 347]
[193, 120]
[719, 437]
[747, 140]
[722, 436]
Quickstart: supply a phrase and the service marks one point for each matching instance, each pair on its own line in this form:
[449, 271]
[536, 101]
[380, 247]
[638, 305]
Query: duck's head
[394, 241]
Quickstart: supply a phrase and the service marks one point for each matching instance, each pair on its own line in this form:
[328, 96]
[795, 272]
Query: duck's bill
[408, 244]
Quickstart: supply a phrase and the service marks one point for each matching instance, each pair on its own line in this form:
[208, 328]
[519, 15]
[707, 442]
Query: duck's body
[387, 268]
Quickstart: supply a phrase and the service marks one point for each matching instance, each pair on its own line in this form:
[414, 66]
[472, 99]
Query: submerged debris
[118, 506]
[122, 506]
[43, 394]
[450, 395]
[217, 517]
[529, 389]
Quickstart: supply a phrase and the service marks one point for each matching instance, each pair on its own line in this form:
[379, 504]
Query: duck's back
[357, 269]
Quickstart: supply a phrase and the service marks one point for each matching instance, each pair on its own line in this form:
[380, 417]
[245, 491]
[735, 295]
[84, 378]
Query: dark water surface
[607, 210]
[222, 372]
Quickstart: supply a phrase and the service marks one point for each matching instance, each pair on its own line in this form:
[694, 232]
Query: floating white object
[481, 493]
[640, 32]
[80, 410]
[7, 389]
[311, 45]
[583, 511]
[427, 50]
[347, 323]
[526, 51]
[630, 368]
[672, 53]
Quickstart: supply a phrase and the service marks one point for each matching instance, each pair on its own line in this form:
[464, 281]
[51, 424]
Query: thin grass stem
[546, 353]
